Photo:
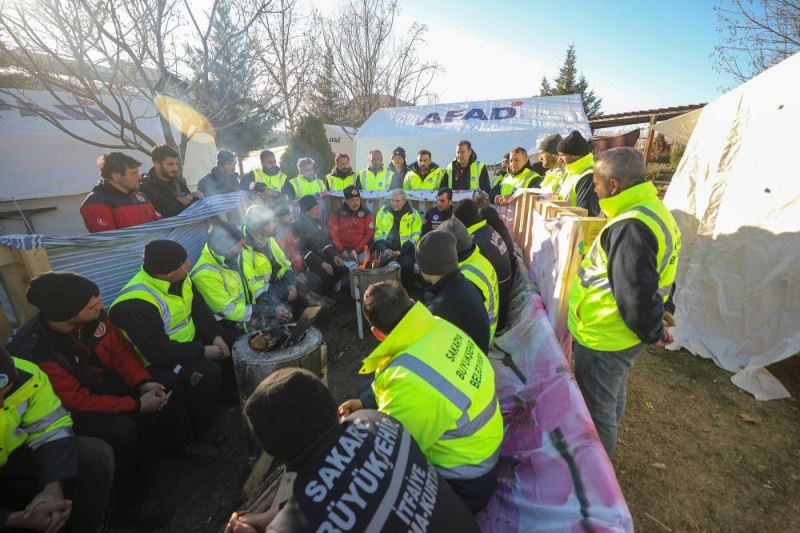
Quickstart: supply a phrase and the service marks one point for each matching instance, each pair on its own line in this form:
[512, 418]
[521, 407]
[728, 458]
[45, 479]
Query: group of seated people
[124, 198]
[92, 390]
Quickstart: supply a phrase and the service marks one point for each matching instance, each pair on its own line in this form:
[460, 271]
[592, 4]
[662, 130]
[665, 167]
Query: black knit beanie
[550, 143]
[307, 203]
[8, 371]
[163, 256]
[290, 410]
[467, 212]
[436, 253]
[399, 151]
[574, 144]
[60, 296]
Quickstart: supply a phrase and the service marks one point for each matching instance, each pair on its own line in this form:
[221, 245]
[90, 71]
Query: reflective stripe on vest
[303, 187]
[166, 316]
[475, 169]
[485, 281]
[374, 182]
[430, 182]
[339, 183]
[511, 183]
[274, 182]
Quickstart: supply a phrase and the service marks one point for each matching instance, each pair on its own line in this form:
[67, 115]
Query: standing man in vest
[577, 185]
[465, 172]
[522, 174]
[48, 477]
[434, 380]
[306, 183]
[616, 303]
[342, 174]
[505, 161]
[548, 157]
[269, 173]
[174, 332]
[493, 248]
[376, 177]
[443, 211]
[477, 269]
[424, 175]
[398, 227]
[163, 184]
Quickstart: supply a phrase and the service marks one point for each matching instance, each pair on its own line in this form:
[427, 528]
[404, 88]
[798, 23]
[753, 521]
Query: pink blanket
[554, 472]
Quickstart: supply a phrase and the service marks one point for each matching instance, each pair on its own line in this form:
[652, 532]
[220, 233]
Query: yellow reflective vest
[303, 187]
[593, 317]
[410, 225]
[511, 182]
[338, 183]
[415, 182]
[477, 269]
[370, 181]
[475, 170]
[175, 311]
[552, 180]
[435, 381]
[32, 414]
[274, 182]
[572, 175]
[222, 287]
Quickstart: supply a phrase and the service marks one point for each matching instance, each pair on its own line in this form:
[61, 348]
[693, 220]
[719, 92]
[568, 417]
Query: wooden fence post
[17, 268]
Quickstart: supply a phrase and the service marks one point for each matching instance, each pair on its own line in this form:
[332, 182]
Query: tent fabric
[492, 126]
[554, 473]
[41, 161]
[110, 258]
[679, 129]
[736, 198]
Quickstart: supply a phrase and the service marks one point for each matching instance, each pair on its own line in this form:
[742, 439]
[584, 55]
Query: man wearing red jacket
[116, 202]
[97, 375]
[352, 226]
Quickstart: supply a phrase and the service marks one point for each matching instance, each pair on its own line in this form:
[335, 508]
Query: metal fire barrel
[252, 366]
[362, 278]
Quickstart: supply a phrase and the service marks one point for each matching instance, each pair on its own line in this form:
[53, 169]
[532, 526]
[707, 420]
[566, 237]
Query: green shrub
[676, 154]
[308, 140]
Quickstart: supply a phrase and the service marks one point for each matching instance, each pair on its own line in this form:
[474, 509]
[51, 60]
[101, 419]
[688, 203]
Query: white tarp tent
[45, 167]
[493, 127]
[736, 197]
[679, 129]
[341, 139]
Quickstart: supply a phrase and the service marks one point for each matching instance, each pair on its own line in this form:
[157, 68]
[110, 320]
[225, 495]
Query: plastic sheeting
[493, 127]
[679, 129]
[736, 197]
[554, 473]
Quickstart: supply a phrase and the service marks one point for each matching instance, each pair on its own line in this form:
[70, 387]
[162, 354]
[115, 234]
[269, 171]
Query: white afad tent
[493, 127]
[46, 173]
[736, 197]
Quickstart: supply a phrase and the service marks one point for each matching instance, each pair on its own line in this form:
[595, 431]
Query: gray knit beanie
[436, 253]
[457, 228]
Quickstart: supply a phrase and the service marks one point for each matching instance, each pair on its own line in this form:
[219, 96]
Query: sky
[636, 54]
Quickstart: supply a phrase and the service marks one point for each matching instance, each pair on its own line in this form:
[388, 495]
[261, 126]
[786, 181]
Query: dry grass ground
[720, 472]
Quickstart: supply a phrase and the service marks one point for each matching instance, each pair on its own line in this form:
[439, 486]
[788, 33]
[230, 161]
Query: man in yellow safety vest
[465, 172]
[434, 380]
[424, 175]
[269, 173]
[548, 157]
[376, 177]
[342, 174]
[306, 183]
[522, 174]
[577, 186]
[616, 302]
[398, 227]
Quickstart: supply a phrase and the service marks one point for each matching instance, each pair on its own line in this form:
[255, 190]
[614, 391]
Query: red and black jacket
[108, 208]
[351, 230]
[78, 363]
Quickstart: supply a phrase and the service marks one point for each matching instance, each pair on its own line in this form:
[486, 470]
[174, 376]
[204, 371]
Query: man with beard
[163, 184]
[306, 182]
[223, 178]
[424, 175]
[269, 173]
[465, 172]
[342, 174]
[397, 229]
[443, 211]
[548, 157]
[376, 177]
[577, 187]
[116, 202]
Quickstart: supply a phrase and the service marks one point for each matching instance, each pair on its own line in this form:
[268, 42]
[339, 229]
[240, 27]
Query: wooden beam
[650, 133]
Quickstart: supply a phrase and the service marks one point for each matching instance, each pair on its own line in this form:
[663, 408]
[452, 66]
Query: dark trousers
[199, 382]
[89, 490]
[476, 492]
[327, 281]
[407, 275]
[603, 379]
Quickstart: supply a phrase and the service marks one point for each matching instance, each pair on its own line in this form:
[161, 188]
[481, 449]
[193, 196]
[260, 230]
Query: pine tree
[228, 95]
[326, 102]
[308, 140]
[569, 81]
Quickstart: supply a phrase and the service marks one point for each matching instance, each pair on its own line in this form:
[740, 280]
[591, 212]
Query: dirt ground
[695, 454]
